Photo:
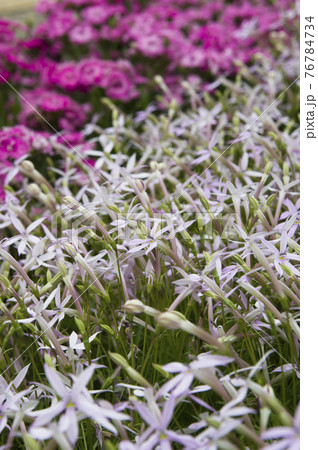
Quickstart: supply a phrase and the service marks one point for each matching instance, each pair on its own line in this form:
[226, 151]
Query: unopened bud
[70, 248]
[187, 236]
[170, 320]
[236, 121]
[268, 168]
[172, 108]
[168, 152]
[285, 169]
[45, 189]
[48, 276]
[80, 325]
[253, 202]
[34, 190]
[62, 268]
[114, 208]
[134, 306]
[207, 257]
[160, 81]
[270, 199]
[109, 330]
[140, 185]
[27, 166]
[118, 359]
[162, 166]
[29, 442]
[137, 377]
[205, 203]
[154, 165]
[238, 259]
[143, 229]
[287, 270]
[70, 202]
[48, 360]
[5, 281]
[273, 135]
[115, 115]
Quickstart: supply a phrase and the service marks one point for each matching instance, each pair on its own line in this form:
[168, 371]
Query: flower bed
[149, 254]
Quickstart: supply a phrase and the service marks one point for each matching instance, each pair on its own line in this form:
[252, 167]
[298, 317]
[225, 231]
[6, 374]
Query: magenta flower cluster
[118, 47]
[17, 141]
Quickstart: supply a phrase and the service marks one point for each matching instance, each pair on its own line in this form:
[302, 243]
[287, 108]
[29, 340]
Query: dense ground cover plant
[155, 289]
[149, 256]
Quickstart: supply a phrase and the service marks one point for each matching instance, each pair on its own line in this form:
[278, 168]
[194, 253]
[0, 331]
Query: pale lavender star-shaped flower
[180, 384]
[285, 438]
[75, 403]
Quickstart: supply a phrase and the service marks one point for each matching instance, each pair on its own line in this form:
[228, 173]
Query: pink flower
[4, 73]
[151, 45]
[77, 2]
[73, 138]
[98, 14]
[74, 116]
[41, 142]
[193, 57]
[65, 75]
[19, 140]
[15, 142]
[52, 102]
[60, 24]
[7, 30]
[119, 87]
[45, 6]
[45, 101]
[82, 34]
[90, 72]
[111, 34]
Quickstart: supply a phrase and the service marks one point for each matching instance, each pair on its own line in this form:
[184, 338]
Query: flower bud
[140, 185]
[70, 202]
[27, 166]
[109, 330]
[137, 377]
[273, 135]
[236, 121]
[253, 202]
[270, 199]
[114, 208]
[159, 80]
[62, 268]
[268, 168]
[154, 165]
[205, 203]
[237, 258]
[134, 306]
[257, 111]
[285, 169]
[287, 270]
[143, 229]
[170, 320]
[207, 257]
[118, 359]
[71, 250]
[34, 190]
[5, 281]
[48, 360]
[29, 442]
[45, 189]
